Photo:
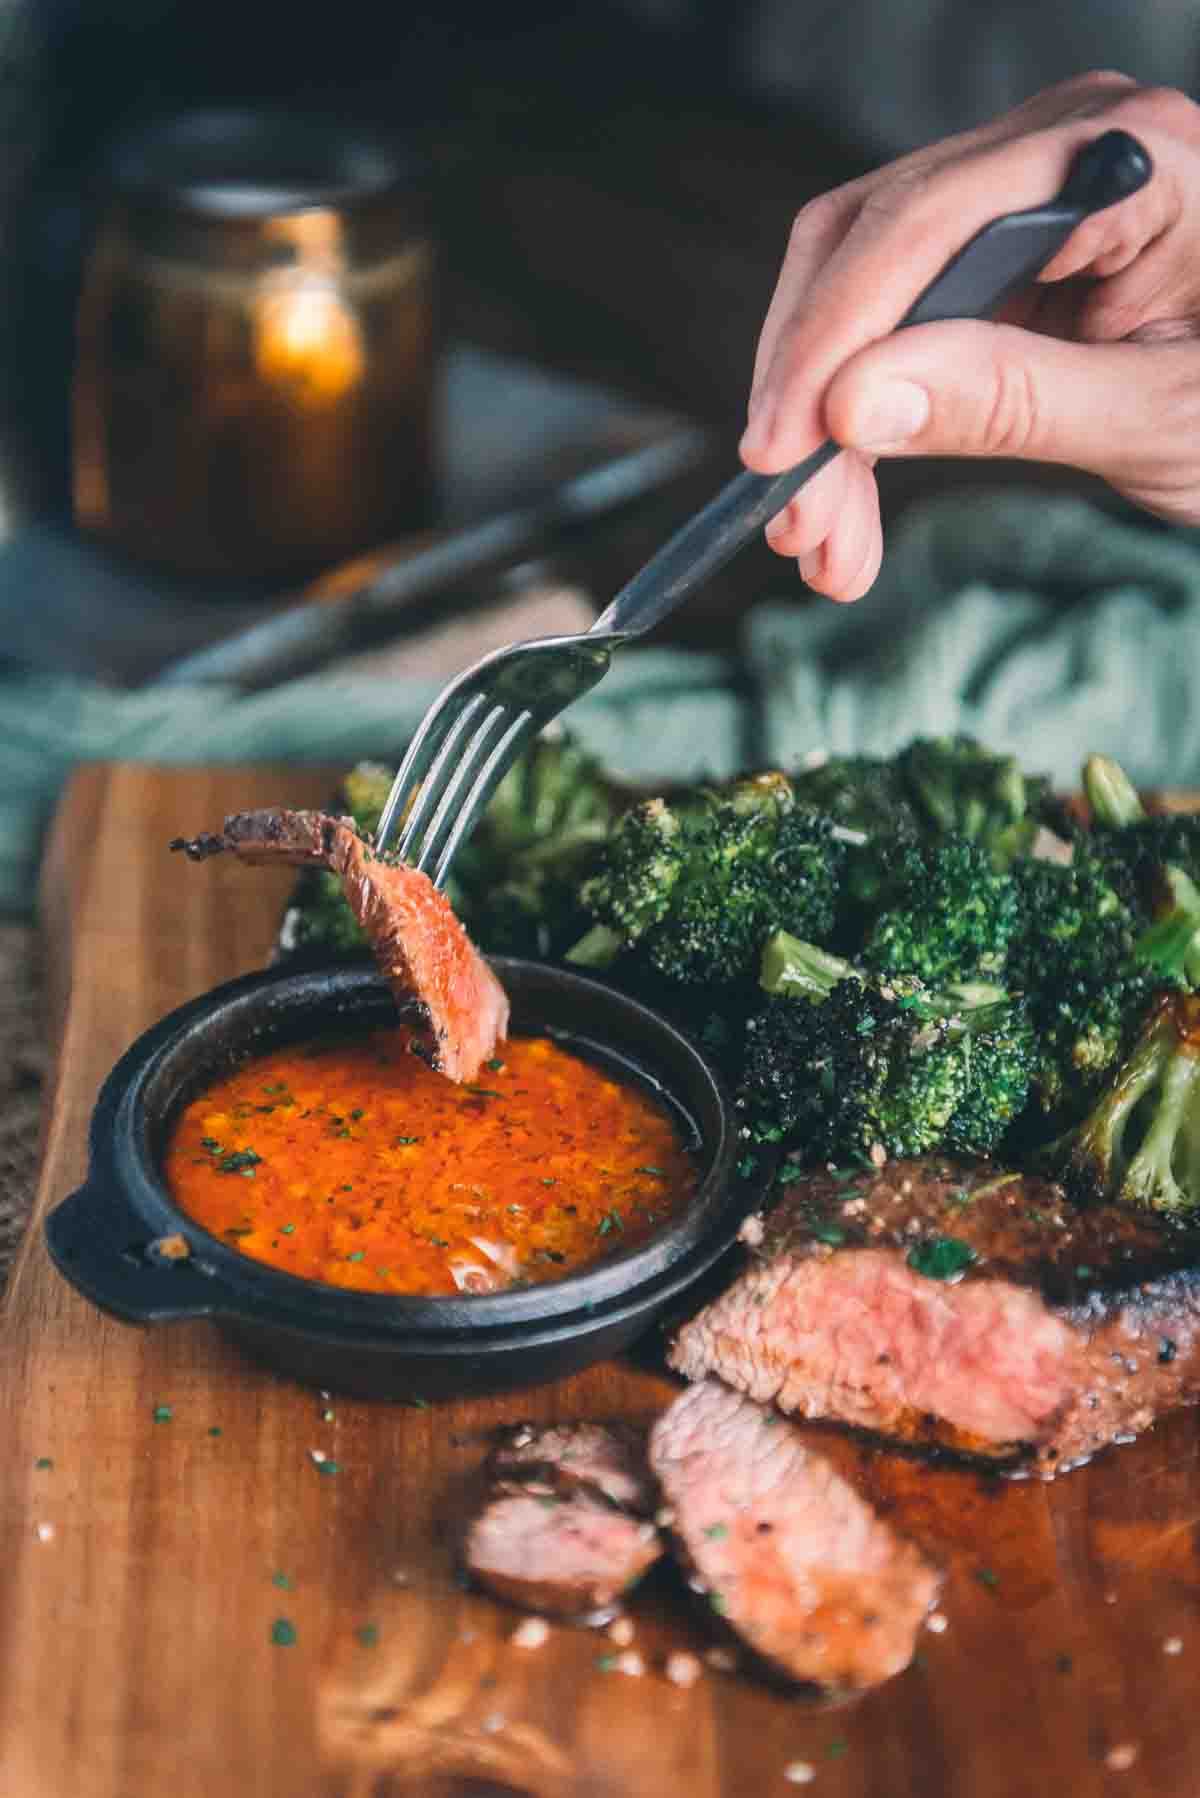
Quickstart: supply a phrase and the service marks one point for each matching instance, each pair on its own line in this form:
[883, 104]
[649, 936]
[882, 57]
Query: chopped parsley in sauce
[380, 1175]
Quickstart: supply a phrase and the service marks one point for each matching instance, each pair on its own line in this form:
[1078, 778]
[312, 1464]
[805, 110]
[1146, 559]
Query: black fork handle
[996, 262]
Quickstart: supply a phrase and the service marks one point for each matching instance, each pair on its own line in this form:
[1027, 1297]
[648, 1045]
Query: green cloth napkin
[1042, 625]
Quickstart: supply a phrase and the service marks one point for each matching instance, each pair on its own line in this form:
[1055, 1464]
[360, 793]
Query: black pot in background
[377, 1344]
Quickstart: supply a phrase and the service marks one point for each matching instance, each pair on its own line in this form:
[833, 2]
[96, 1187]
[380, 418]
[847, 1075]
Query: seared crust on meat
[1062, 1331]
[604, 1460]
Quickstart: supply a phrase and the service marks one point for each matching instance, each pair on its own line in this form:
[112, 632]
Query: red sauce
[357, 1165]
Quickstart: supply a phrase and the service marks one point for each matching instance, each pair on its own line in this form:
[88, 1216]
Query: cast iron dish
[102, 1237]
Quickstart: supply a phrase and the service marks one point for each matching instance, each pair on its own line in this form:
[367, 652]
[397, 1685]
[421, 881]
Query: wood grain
[136, 1658]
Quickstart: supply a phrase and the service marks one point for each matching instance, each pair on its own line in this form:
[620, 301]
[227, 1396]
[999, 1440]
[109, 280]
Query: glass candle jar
[257, 340]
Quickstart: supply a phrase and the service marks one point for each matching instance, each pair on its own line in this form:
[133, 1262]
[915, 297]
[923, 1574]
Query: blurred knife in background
[399, 598]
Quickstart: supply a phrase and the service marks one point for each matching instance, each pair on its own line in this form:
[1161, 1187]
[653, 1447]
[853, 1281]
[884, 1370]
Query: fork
[479, 723]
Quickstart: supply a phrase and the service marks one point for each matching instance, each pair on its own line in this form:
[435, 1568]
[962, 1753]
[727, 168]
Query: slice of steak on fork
[419, 944]
[789, 1554]
[953, 1307]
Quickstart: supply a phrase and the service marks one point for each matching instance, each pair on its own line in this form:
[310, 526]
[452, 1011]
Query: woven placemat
[24, 1059]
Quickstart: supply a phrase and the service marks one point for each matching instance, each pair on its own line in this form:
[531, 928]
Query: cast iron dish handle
[99, 1243]
[992, 266]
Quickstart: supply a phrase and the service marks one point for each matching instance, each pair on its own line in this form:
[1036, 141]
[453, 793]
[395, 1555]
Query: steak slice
[602, 1460]
[793, 1559]
[569, 1557]
[950, 1306]
[419, 944]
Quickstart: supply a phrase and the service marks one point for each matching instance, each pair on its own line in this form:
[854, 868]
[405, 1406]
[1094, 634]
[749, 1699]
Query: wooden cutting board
[144, 1563]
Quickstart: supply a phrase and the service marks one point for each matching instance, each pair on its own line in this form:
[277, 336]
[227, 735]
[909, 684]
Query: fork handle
[997, 261]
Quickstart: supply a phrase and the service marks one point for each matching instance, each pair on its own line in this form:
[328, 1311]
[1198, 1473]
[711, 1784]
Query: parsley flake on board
[163, 1414]
[368, 1635]
[43, 1461]
[283, 1632]
[941, 1258]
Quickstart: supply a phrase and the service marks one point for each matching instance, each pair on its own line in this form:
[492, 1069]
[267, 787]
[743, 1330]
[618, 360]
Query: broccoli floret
[1141, 1141]
[862, 793]
[642, 862]
[1155, 861]
[957, 786]
[516, 881]
[1003, 1050]
[951, 919]
[746, 876]
[1073, 955]
[698, 888]
[365, 790]
[847, 1062]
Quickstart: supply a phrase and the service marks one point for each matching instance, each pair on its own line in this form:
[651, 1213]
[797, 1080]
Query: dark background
[613, 184]
[610, 198]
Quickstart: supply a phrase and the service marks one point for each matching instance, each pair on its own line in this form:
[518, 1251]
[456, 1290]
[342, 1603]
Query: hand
[1098, 366]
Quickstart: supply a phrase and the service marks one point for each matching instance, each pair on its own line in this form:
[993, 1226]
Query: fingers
[820, 227]
[974, 389]
[907, 228]
[832, 529]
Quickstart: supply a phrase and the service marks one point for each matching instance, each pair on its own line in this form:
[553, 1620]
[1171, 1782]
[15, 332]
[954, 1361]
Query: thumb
[974, 389]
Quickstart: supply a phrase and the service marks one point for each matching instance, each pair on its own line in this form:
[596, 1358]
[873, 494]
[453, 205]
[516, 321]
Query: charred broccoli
[1073, 955]
[1140, 1143]
[950, 917]
[957, 786]
[849, 1063]
[1156, 860]
[698, 889]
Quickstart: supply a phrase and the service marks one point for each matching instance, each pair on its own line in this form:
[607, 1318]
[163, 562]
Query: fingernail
[810, 565]
[757, 435]
[894, 413]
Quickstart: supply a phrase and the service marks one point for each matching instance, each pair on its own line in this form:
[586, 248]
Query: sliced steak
[949, 1306]
[568, 1557]
[419, 944]
[793, 1559]
[603, 1460]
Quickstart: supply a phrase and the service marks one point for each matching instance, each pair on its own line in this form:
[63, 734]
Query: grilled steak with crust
[565, 1527]
[604, 1460]
[419, 944]
[791, 1557]
[1051, 1332]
